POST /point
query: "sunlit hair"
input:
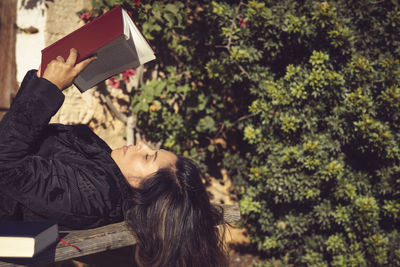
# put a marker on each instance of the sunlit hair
(173, 221)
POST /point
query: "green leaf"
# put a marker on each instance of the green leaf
(206, 124)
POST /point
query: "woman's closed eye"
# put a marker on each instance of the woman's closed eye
(151, 156)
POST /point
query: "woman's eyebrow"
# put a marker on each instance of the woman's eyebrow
(155, 156)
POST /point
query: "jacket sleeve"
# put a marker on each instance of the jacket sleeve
(36, 102)
(36, 181)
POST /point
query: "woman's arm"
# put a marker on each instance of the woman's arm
(30, 112)
(24, 176)
(36, 102)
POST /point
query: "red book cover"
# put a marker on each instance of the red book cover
(87, 39)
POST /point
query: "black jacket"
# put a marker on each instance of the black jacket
(55, 172)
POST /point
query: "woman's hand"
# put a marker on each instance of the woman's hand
(62, 73)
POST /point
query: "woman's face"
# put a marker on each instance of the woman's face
(140, 162)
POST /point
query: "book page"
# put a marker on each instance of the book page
(17, 246)
(113, 58)
(143, 49)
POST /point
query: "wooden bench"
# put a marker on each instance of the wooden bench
(93, 241)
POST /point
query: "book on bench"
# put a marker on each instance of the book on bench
(26, 239)
(115, 40)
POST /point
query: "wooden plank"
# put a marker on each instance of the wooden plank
(96, 240)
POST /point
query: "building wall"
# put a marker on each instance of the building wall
(62, 18)
(30, 37)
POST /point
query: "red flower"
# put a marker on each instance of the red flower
(242, 23)
(127, 74)
(113, 82)
(86, 16)
(137, 2)
(130, 14)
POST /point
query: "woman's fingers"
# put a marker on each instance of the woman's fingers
(73, 55)
(83, 64)
(60, 59)
(62, 73)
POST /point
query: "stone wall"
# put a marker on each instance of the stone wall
(62, 19)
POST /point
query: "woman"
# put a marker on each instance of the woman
(69, 175)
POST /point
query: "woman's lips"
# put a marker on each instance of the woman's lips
(125, 148)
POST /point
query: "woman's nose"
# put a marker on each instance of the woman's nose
(142, 145)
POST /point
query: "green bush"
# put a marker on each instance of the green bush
(299, 100)
(199, 96)
(323, 184)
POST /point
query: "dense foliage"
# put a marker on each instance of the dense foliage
(300, 101)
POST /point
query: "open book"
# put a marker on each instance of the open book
(113, 38)
(26, 239)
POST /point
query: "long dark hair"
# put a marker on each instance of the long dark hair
(173, 221)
